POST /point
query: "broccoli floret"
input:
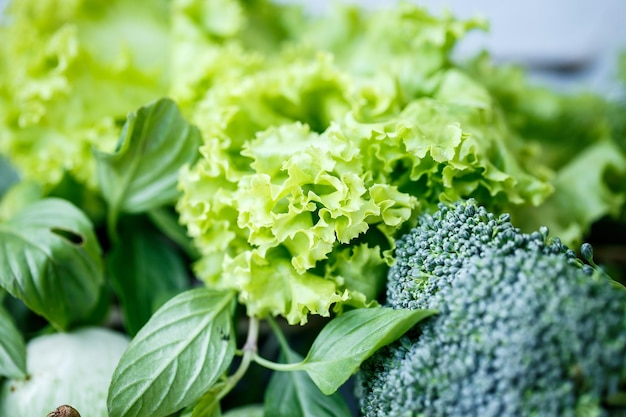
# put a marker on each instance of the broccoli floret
(523, 329)
(428, 256)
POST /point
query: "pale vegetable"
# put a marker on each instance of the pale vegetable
(65, 368)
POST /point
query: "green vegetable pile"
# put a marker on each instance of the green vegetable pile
(180, 170)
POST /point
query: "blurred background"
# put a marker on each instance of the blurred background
(570, 44)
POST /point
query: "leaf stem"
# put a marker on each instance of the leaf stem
(283, 367)
(112, 216)
(282, 341)
(249, 352)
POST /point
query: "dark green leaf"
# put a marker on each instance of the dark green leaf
(51, 260)
(176, 357)
(102, 310)
(145, 270)
(347, 340)
(294, 394)
(78, 193)
(167, 222)
(617, 400)
(142, 174)
(248, 410)
(12, 348)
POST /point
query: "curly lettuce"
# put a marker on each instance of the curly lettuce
(71, 71)
(313, 162)
(576, 138)
(218, 40)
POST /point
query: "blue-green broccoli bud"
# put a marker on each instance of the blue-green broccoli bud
(523, 328)
(428, 256)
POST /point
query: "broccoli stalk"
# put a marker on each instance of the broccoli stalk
(524, 328)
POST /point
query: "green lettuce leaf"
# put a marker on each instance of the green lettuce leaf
(406, 42)
(70, 72)
(313, 154)
(574, 139)
(588, 188)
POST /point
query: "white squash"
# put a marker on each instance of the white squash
(65, 368)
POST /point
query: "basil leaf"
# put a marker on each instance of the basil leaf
(12, 348)
(50, 259)
(294, 394)
(142, 174)
(145, 271)
(166, 220)
(347, 340)
(176, 357)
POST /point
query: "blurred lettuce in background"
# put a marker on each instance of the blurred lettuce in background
(576, 136)
(71, 71)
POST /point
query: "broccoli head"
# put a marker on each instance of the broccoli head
(523, 328)
(428, 256)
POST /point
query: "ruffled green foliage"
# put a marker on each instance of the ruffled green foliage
(578, 137)
(327, 148)
(217, 40)
(70, 72)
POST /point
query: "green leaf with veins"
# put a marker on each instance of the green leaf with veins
(12, 348)
(347, 340)
(143, 171)
(145, 270)
(185, 347)
(50, 259)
